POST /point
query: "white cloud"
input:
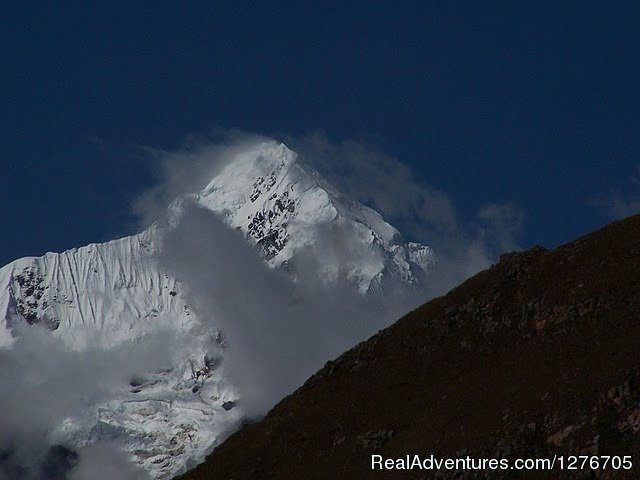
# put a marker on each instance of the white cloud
(421, 212)
(622, 202)
(499, 225)
(44, 382)
(279, 331)
(378, 180)
(188, 169)
(104, 462)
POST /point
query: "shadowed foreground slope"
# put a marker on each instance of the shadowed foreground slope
(539, 355)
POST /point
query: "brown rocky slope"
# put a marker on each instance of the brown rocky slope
(537, 356)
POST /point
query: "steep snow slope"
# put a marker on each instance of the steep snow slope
(286, 207)
(115, 291)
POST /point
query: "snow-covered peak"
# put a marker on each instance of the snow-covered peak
(259, 161)
(281, 205)
(286, 207)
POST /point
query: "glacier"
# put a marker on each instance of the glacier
(170, 418)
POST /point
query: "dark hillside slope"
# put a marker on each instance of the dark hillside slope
(539, 355)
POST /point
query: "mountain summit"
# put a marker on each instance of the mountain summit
(285, 206)
(116, 291)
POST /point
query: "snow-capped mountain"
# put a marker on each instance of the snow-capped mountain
(173, 416)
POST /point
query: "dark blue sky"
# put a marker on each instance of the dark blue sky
(531, 102)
